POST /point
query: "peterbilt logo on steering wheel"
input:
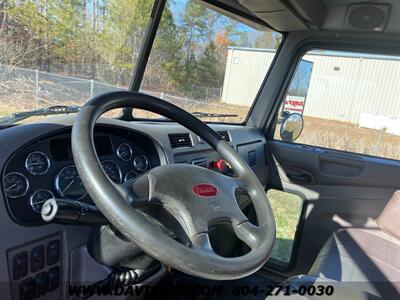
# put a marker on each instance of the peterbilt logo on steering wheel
(205, 190)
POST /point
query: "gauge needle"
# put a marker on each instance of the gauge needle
(34, 164)
(67, 187)
(9, 188)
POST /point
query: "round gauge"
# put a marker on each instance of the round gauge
(130, 175)
(124, 152)
(112, 170)
(37, 163)
(16, 185)
(141, 163)
(69, 184)
(38, 198)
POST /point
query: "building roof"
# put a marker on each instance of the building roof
(325, 53)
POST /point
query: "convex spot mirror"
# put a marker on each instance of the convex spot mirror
(292, 127)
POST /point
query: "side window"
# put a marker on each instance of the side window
(344, 101)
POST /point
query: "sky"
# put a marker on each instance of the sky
(178, 6)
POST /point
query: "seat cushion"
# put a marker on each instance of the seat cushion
(368, 259)
(341, 291)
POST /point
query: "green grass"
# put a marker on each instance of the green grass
(287, 210)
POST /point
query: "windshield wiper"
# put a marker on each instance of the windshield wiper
(201, 115)
(51, 110)
(211, 115)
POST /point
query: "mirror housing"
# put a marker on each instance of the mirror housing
(291, 127)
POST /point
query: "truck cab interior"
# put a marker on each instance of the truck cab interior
(282, 184)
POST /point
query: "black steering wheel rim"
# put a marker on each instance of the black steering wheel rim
(112, 199)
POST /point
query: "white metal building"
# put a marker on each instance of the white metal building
(343, 87)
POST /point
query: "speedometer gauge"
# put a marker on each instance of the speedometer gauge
(37, 163)
(69, 184)
(16, 185)
(112, 170)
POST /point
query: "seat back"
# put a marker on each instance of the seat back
(389, 219)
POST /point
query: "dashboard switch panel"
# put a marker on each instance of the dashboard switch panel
(29, 270)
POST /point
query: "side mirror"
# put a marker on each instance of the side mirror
(292, 127)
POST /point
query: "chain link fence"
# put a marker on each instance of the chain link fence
(207, 94)
(28, 89)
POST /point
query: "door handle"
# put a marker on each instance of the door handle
(300, 177)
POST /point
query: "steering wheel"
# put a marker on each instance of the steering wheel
(197, 197)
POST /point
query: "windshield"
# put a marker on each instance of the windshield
(65, 52)
(205, 62)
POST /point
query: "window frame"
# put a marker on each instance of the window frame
(292, 50)
(270, 132)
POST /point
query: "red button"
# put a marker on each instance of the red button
(222, 165)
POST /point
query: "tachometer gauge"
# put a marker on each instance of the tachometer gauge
(38, 198)
(130, 175)
(141, 163)
(112, 170)
(69, 184)
(37, 163)
(124, 152)
(16, 185)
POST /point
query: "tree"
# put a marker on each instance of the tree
(267, 39)
(200, 47)
(207, 67)
(101, 39)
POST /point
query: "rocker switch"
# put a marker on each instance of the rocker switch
(20, 265)
(252, 158)
(27, 289)
(37, 258)
(53, 252)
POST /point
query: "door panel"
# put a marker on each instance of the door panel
(330, 167)
(340, 190)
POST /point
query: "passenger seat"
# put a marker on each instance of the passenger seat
(366, 259)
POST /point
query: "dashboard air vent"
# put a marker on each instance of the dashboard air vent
(180, 140)
(225, 135)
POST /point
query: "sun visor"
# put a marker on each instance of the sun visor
(282, 16)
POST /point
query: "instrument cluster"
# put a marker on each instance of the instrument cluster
(46, 170)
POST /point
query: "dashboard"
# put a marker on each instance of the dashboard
(36, 163)
(44, 169)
